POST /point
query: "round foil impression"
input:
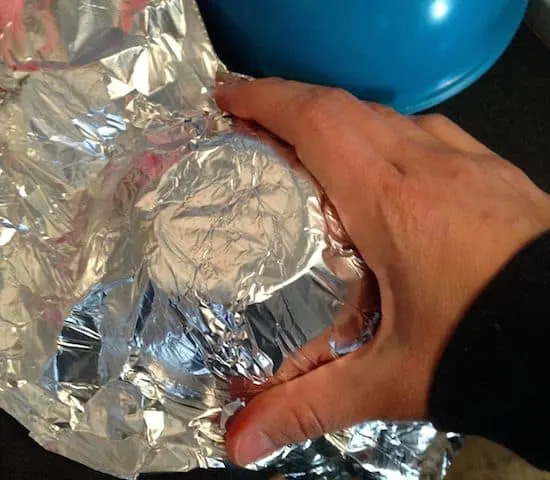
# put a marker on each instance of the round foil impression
(232, 223)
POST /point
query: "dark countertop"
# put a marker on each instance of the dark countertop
(508, 109)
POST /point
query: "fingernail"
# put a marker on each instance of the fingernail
(253, 446)
(224, 86)
(231, 80)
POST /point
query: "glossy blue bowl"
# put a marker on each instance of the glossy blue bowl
(410, 54)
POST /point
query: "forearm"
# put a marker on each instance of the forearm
(492, 379)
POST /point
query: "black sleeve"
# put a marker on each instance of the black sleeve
(494, 377)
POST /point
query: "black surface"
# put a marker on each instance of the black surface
(508, 109)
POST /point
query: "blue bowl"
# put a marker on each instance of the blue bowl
(410, 54)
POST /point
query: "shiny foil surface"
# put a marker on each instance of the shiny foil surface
(153, 254)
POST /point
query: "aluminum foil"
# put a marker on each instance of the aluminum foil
(152, 252)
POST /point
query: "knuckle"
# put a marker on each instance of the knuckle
(507, 168)
(273, 80)
(305, 424)
(434, 120)
(512, 174)
(320, 105)
(463, 167)
(382, 109)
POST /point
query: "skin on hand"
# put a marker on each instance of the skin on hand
(434, 214)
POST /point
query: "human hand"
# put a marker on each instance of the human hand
(434, 214)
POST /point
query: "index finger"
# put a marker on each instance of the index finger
(329, 129)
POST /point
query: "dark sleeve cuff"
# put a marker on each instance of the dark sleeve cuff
(493, 378)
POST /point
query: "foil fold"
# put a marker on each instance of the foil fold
(152, 252)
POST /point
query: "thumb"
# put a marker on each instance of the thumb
(345, 392)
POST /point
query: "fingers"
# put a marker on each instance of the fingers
(316, 122)
(312, 355)
(282, 149)
(342, 393)
(352, 325)
(332, 134)
(291, 110)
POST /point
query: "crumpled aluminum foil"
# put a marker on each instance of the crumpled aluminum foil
(151, 252)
